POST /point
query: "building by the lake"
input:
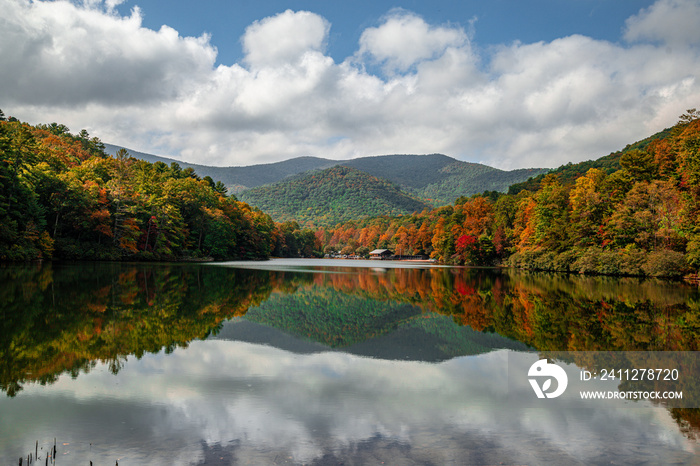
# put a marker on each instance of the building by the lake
(380, 254)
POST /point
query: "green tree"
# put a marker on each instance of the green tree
(551, 216)
(589, 207)
(639, 164)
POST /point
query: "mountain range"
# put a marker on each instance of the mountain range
(422, 175)
(388, 184)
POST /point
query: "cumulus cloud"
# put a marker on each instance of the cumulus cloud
(284, 38)
(517, 105)
(59, 54)
(405, 39)
(674, 22)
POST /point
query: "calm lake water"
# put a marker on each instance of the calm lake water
(330, 362)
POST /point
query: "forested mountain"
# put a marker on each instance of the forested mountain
(568, 173)
(465, 179)
(407, 171)
(435, 178)
(62, 196)
(438, 179)
(636, 212)
(332, 196)
(238, 179)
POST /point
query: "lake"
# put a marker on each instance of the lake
(330, 362)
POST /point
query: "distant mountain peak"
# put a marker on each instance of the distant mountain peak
(434, 178)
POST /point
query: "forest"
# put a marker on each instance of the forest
(323, 196)
(331, 196)
(63, 197)
(633, 213)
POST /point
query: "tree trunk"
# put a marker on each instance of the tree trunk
(55, 225)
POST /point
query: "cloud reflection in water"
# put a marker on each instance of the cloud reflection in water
(217, 402)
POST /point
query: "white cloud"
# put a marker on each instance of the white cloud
(285, 38)
(112, 4)
(518, 105)
(57, 54)
(109, 5)
(405, 39)
(675, 22)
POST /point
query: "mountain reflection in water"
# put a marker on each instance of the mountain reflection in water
(202, 364)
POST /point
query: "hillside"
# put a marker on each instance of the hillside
(62, 197)
(332, 196)
(634, 212)
(238, 179)
(466, 179)
(568, 173)
(439, 179)
(434, 177)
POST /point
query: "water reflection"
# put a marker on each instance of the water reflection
(111, 355)
(252, 403)
(65, 318)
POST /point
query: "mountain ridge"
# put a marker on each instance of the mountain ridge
(435, 178)
(239, 178)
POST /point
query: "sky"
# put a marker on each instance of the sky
(508, 83)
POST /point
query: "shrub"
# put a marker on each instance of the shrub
(633, 260)
(588, 261)
(665, 263)
(544, 260)
(526, 259)
(609, 262)
(563, 262)
(693, 253)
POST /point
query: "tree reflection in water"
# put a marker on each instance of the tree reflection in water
(65, 318)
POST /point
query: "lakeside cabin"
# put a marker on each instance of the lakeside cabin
(380, 254)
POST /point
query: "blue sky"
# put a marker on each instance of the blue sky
(495, 22)
(508, 83)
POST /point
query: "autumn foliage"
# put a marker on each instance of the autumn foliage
(61, 196)
(635, 213)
